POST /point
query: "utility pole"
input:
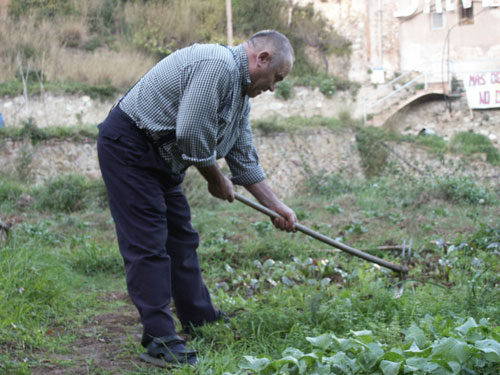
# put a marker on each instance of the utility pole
(229, 18)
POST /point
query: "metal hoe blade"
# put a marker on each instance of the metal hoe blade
(402, 269)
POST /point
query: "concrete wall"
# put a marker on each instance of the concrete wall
(380, 40)
(467, 43)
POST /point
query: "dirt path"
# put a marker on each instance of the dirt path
(105, 344)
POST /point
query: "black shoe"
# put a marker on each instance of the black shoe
(222, 317)
(169, 351)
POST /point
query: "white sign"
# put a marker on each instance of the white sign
(483, 89)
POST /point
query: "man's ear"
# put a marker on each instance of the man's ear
(263, 58)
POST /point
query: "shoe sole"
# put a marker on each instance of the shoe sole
(155, 361)
(161, 362)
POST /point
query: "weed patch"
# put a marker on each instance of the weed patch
(30, 131)
(471, 144)
(90, 258)
(462, 190)
(70, 193)
(373, 155)
(433, 143)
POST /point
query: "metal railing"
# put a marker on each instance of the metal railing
(399, 86)
(433, 71)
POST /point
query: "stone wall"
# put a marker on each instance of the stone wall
(289, 160)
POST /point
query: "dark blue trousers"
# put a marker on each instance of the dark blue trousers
(153, 225)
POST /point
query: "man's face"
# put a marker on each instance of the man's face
(264, 77)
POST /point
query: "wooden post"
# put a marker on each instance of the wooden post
(229, 18)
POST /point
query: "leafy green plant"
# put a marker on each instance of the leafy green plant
(469, 348)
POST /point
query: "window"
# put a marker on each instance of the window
(465, 14)
(437, 20)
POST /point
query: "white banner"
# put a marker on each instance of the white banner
(483, 89)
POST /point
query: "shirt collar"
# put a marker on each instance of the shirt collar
(244, 71)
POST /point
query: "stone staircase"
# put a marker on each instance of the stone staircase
(389, 98)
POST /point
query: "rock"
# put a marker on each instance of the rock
(24, 200)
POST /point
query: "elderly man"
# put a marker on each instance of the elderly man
(190, 109)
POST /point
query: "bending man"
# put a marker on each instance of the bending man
(189, 110)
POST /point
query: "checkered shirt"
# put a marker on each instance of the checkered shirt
(193, 106)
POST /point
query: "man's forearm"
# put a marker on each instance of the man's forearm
(212, 174)
(263, 193)
(218, 184)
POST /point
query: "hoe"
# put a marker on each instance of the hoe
(401, 269)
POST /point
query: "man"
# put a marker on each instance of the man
(190, 109)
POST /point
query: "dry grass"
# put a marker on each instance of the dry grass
(57, 48)
(25, 44)
(178, 23)
(121, 69)
(48, 48)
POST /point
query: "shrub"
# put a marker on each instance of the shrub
(327, 87)
(92, 43)
(10, 189)
(268, 126)
(284, 90)
(70, 193)
(345, 118)
(462, 189)
(72, 35)
(369, 141)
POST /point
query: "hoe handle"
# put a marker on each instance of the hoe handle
(323, 238)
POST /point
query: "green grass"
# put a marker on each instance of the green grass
(14, 88)
(30, 131)
(468, 143)
(60, 268)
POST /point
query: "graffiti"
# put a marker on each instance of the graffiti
(477, 80)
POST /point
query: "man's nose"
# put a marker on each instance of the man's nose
(271, 88)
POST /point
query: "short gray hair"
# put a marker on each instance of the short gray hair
(279, 44)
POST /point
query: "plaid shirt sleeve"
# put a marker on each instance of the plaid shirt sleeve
(206, 87)
(242, 159)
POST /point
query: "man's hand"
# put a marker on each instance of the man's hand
(218, 185)
(287, 222)
(265, 195)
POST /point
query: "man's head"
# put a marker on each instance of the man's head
(270, 59)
